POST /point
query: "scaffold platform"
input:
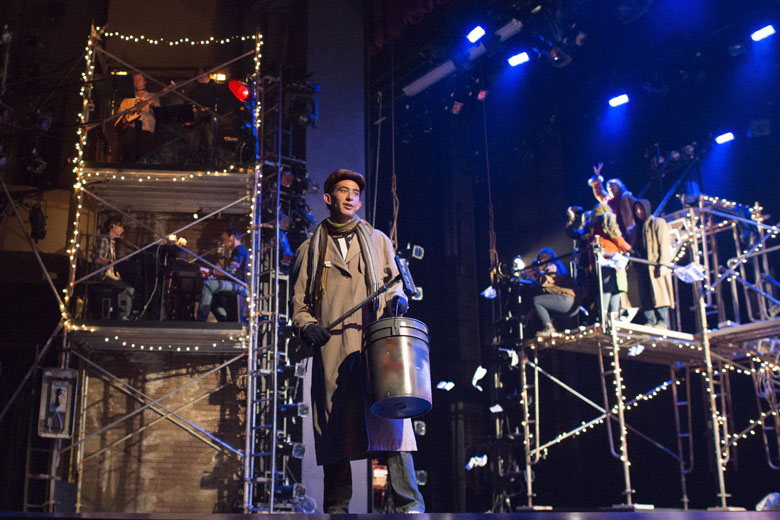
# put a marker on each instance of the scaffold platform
(163, 336)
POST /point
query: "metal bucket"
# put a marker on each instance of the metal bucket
(399, 372)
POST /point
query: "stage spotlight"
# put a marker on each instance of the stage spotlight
(517, 59)
(724, 138)
(764, 32)
(292, 371)
(294, 492)
(197, 213)
(422, 477)
(475, 34)
(420, 428)
(239, 90)
(294, 409)
(616, 101)
(295, 450)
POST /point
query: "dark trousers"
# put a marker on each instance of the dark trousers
(135, 144)
(125, 293)
(401, 481)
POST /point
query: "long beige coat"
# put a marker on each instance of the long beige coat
(659, 249)
(343, 425)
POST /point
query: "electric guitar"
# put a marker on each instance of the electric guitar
(131, 109)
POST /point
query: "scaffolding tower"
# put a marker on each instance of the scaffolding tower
(271, 383)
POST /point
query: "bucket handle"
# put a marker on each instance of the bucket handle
(395, 329)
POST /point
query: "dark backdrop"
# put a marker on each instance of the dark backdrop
(534, 139)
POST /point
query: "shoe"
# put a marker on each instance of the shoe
(547, 331)
(627, 315)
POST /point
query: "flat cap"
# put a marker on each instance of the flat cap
(339, 175)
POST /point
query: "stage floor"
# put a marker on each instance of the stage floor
(616, 514)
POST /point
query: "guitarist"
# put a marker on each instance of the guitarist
(136, 127)
(104, 253)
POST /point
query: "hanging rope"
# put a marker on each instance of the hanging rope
(396, 202)
(493, 252)
(378, 124)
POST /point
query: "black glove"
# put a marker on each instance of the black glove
(399, 305)
(315, 335)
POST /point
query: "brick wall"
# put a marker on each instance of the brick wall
(163, 468)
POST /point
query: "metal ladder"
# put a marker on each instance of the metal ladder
(681, 375)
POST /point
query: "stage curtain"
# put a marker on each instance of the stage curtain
(390, 17)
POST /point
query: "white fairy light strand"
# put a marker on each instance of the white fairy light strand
(211, 40)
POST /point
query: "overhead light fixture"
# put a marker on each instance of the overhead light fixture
(509, 30)
(616, 101)
(420, 84)
(764, 32)
(448, 67)
(475, 34)
(517, 59)
(724, 138)
(198, 212)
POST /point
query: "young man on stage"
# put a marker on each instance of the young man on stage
(345, 261)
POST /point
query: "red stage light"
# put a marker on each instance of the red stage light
(239, 90)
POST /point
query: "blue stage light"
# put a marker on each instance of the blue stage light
(475, 34)
(616, 101)
(764, 32)
(724, 138)
(517, 59)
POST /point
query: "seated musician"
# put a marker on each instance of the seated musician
(558, 290)
(104, 254)
(221, 285)
(136, 126)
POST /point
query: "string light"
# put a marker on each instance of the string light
(211, 40)
(116, 341)
(91, 174)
